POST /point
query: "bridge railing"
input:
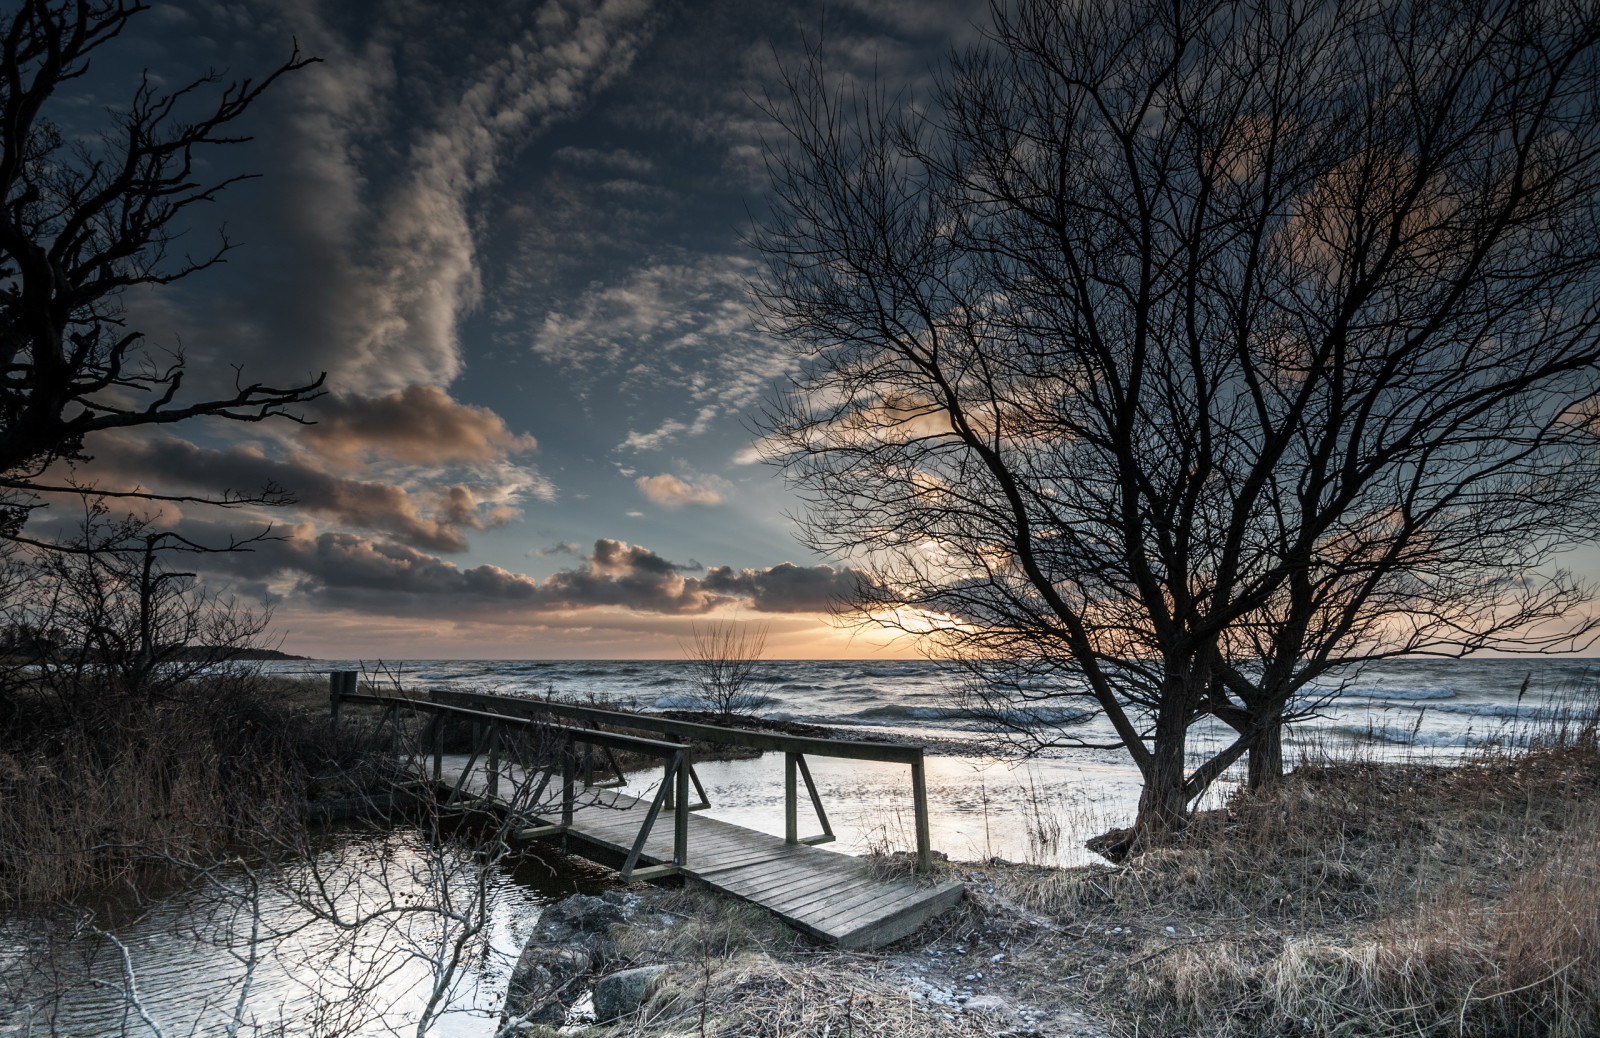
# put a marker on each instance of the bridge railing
(560, 743)
(795, 748)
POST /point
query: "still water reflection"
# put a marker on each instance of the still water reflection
(373, 935)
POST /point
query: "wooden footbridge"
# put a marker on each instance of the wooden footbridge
(535, 761)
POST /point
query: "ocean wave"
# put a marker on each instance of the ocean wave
(1400, 735)
(1411, 694)
(694, 701)
(1519, 711)
(903, 712)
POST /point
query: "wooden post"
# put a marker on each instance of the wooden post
(438, 748)
(494, 758)
(567, 778)
(919, 800)
(791, 819)
(340, 684)
(680, 814)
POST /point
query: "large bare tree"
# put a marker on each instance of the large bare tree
(1175, 354)
(83, 221)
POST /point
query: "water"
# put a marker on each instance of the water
(368, 937)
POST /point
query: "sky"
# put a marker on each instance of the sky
(510, 234)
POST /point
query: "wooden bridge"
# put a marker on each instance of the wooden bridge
(520, 749)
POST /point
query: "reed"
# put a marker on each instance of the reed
(99, 794)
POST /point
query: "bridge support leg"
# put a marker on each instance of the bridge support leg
(494, 759)
(791, 818)
(568, 778)
(680, 814)
(919, 799)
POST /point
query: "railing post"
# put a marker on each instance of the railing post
(438, 747)
(791, 818)
(340, 684)
(680, 812)
(494, 758)
(567, 779)
(919, 800)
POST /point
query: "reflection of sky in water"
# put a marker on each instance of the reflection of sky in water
(373, 972)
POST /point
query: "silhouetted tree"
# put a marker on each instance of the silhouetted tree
(82, 221)
(1178, 353)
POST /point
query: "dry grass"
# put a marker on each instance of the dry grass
(754, 995)
(736, 971)
(1356, 899)
(97, 794)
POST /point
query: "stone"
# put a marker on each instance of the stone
(572, 941)
(544, 982)
(621, 994)
(582, 913)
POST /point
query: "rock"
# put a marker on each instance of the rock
(545, 981)
(987, 1004)
(621, 994)
(572, 941)
(582, 913)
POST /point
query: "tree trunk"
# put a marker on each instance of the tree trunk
(1164, 801)
(1265, 767)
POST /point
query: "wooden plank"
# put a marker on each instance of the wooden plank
(770, 887)
(857, 894)
(710, 866)
(864, 905)
(763, 879)
(879, 913)
(903, 922)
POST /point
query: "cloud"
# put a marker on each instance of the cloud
(668, 431)
(667, 489)
(680, 334)
(343, 569)
(787, 588)
(619, 159)
(367, 235)
(418, 424)
(434, 518)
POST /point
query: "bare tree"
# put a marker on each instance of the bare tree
(107, 614)
(724, 658)
(1175, 354)
(80, 223)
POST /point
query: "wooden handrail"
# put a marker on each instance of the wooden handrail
(674, 781)
(792, 746)
(889, 752)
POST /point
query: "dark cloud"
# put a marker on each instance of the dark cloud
(786, 588)
(418, 424)
(434, 520)
(349, 570)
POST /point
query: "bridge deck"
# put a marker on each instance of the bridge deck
(829, 896)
